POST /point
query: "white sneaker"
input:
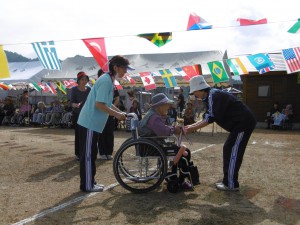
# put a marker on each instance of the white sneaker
(109, 157)
(103, 157)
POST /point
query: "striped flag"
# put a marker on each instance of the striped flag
(4, 86)
(295, 29)
(148, 81)
(35, 86)
(292, 59)
(168, 78)
(47, 55)
(237, 66)
(51, 87)
(4, 71)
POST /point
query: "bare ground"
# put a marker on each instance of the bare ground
(39, 183)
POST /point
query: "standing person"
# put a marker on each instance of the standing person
(106, 138)
(78, 97)
(92, 120)
(180, 102)
(232, 115)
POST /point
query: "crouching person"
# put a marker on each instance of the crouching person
(154, 124)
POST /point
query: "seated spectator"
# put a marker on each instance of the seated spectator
(24, 111)
(39, 114)
(154, 124)
(270, 118)
(67, 115)
(188, 117)
(277, 119)
(56, 114)
(8, 110)
(135, 108)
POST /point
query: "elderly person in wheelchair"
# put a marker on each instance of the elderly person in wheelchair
(141, 164)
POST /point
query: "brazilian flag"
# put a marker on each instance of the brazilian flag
(159, 39)
(218, 72)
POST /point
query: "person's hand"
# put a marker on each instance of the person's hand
(189, 129)
(77, 105)
(121, 116)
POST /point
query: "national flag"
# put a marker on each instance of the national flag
(168, 78)
(73, 83)
(51, 87)
(4, 70)
(129, 78)
(47, 55)
(61, 87)
(190, 71)
(182, 73)
(35, 86)
(218, 72)
(44, 87)
(12, 87)
(98, 50)
(148, 81)
(159, 39)
(295, 29)
(261, 61)
(237, 66)
(292, 59)
(267, 69)
(197, 23)
(118, 85)
(4, 86)
(67, 84)
(247, 22)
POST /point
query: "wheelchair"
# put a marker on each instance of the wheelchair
(141, 164)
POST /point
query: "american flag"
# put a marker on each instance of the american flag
(292, 59)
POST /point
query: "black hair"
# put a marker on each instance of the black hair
(100, 72)
(117, 60)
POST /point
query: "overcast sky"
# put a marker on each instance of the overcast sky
(119, 21)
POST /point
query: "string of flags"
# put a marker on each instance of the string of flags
(48, 57)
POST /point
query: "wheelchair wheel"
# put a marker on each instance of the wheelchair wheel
(140, 166)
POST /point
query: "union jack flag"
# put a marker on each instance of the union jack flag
(292, 59)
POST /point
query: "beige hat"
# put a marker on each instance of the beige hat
(198, 83)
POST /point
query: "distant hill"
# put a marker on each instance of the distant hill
(15, 57)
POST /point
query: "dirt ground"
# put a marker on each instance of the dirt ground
(39, 183)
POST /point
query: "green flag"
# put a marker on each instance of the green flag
(159, 39)
(295, 28)
(218, 72)
(35, 86)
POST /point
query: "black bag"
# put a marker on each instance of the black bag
(194, 174)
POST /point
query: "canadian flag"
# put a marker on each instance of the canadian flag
(129, 78)
(148, 81)
(98, 50)
(118, 85)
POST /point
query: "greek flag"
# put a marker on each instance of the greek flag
(47, 55)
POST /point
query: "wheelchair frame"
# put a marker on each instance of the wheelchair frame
(141, 165)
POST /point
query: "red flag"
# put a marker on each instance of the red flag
(118, 85)
(190, 71)
(73, 83)
(247, 22)
(197, 23)
(148, 81)
(130, 79)
(98, 50)
(44, 87)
